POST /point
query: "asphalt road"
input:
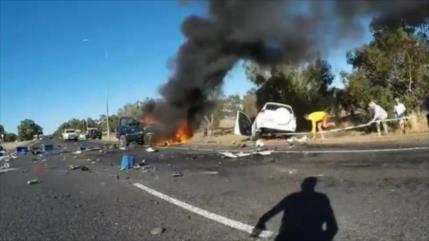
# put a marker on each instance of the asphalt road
(373, 195)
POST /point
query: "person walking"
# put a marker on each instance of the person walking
(401, 114)
(319, 119)
(379, 115)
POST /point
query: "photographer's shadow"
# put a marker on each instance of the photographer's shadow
(307, 216)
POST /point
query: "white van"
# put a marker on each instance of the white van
(273, 118)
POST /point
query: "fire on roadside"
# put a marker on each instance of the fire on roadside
(181, 136)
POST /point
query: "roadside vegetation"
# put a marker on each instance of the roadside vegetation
(27, 129)
(395, 63)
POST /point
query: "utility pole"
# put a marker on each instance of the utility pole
(107, 116)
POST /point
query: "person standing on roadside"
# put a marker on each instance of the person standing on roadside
(379, 115)
(401, 114)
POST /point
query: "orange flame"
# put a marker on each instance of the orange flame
(181, 136)
(149, 120)
(184, 133)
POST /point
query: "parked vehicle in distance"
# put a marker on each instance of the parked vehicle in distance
(82, 136)
(93, 133)
(129, 130)
(70, 135)
(272, 118)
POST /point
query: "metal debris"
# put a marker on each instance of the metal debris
(75, 167)
(150, 149)
(259, 143)
(147, 168)
(263, 153)
(228, 154)
(299, 140)
(177, 174)
(32, 181)
(210, 172)
(157, 230)
(245, 154)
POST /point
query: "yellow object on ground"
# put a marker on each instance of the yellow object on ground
(314, 118)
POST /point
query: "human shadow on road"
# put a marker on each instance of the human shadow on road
(307, 216)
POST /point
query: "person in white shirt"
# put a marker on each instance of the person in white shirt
(401, 114)
(379, 116)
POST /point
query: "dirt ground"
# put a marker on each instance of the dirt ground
(352, 138)
(12, 145)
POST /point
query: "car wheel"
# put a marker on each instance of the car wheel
(123, 142)
(141, 140)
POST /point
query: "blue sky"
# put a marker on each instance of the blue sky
(59, 60)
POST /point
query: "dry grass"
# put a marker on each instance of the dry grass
(111, 139)
(12, 145)
(228, 139)
(417, 122)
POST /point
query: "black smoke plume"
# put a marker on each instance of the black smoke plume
(266, 32)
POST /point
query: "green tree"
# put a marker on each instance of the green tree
(134, 110)
(249, 103)
(10, 137)
(2, 131)
(231, 104)
(27, 129)
(393, 64)
(113, 123)
(305, 88)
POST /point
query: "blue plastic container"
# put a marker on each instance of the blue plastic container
(127, 162)
(21, 150)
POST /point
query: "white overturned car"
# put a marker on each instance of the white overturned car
(273, 118)
(70, 135)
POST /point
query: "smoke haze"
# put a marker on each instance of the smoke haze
(268, 33)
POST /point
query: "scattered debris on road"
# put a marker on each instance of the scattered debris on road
(32, 181)
(157, 230)
(259, 143)
(228, 154)
(244, 154)
(210, 172)
(150, 149)
(84, 168)
(147, 168)
(77, 152)
(5, 165)
(75, 167)
(295, 139)
(264, 153)
(177, 174)
(36, 151)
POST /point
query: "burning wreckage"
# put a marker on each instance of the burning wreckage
(149, 131)
(263, 32)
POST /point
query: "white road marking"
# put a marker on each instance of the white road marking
(356, 150)
(209, 215)
(320, 151)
